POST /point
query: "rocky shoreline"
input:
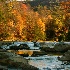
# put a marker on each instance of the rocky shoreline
(65, 57)
(10, 60)
(60, 47)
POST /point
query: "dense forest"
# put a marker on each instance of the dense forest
(25, 21)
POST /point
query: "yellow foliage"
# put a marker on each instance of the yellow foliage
(20, 21)
(59, 22)
(41, 25)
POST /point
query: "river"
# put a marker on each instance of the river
(44, 62)
(47, 62)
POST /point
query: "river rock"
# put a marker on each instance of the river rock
(61, 47)
(47, 49)
(3, 50)
(66, 56)
(47, 44)
(38, 53)
(12, 60)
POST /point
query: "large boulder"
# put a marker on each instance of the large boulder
(47, 49)
(3, 50)
(38, 53)
(19, 46)
(42, 44)
(23, 46)
(13, 61)
(61, 47)
(14, 47)
(65, 57)
(47, 44)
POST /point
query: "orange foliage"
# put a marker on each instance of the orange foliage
(20, 21)
(65, 5)
(24, 7)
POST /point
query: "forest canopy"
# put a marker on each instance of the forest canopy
(20, 21)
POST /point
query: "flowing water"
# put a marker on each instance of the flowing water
(47, 62)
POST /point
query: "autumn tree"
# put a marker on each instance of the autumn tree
(3, 19)
(34, 26)
(10, 14)
(65, 6)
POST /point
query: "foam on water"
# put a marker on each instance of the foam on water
(45, 62)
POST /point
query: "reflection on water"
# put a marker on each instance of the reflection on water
(46, 62)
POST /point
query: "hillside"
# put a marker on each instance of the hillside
(34, 20)
(45, 2)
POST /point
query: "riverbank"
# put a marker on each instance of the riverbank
(10, 60)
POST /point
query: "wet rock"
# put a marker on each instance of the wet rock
(5, 43)
(47, 44)
(12, 60)
(3, 67)
(24, 55)
(47, 49)
(15, 47)
(23, 46)
(42, 44)
(58, 47)
(62, 47)
(19, 47)
(36, 44)
(65, 57)
(38, 53)
(3, 50)
(16, 58)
